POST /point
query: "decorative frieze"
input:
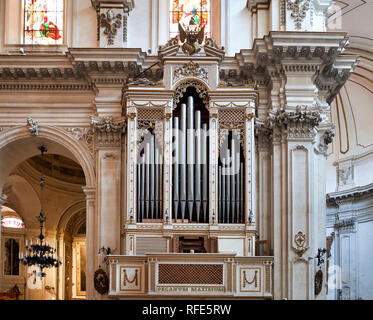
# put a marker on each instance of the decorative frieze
(295, 124)
(190, 69)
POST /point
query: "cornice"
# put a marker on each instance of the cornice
(350, 193)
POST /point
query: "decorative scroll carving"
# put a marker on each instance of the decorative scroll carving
(108, 131)
(200, 88)
(190, 69)
(82, 134)
(299, 9)
(33, 127)
(111, 23)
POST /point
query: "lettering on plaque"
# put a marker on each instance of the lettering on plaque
(130, 278)
(250, 280)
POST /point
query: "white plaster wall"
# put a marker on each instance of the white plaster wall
(365, 275)
(139, 25)
(239, 27)
(83, 20)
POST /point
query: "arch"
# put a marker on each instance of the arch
(201, 87)
(27, 207)
(17, 145)
(68, 213)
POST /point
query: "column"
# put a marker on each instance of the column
(91, 240)
(213, 170)
(167, 167)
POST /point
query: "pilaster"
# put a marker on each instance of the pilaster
(108, 140)
(91, 240)
(112, 16)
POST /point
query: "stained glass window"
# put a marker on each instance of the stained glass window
(43, 21)
(192, 15)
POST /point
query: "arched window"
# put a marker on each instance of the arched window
(192, 14)
(43, 21)
(11, 219)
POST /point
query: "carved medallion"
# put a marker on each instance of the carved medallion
(101, 281)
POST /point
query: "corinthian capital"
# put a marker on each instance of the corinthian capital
(108, 130)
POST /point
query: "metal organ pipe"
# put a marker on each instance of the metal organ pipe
(204, 171)
(147, 180)
(175, 175)
(231, 185)
(232, 180)
(156, 183)
(183, 162)
(190, 156)
(197, 178)
(152, 178)
(227, 184)
(237, 182)
(142, 199)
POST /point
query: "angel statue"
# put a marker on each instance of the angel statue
(191, 41)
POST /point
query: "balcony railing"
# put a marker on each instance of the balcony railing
(190, 275)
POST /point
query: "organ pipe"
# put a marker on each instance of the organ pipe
(190, 156)
(152, 178)
(197, 179)
(183, 162)
(231, 186)
(175, 175)
(204, 171)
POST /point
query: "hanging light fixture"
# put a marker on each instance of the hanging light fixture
(40, 254)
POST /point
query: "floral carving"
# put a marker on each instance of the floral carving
(190, 69)
(111, 23)
(298, 10)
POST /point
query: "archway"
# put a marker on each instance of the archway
(17, 145)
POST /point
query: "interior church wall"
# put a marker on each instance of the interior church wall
(365, 275)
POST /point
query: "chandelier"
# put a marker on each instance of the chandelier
(40, 254)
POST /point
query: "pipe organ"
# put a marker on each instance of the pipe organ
(190, 166)
(190, 147)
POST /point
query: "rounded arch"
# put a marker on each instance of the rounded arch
(68, 213)
(201, 87)
(27, 207)
(17, 145)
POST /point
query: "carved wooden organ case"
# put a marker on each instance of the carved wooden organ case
(190, 165)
